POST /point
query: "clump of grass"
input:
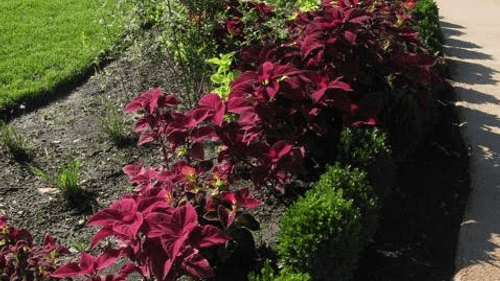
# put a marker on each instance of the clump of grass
(113, 123)
(14, 142)
(79, 245)
(67, 179)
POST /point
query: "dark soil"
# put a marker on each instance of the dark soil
(419, 223)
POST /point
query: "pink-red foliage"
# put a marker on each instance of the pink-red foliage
(20, 259)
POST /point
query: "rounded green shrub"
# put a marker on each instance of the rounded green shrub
(429, 30)
(322, 233)
(366, 148)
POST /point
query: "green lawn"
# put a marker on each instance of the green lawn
(47, 42)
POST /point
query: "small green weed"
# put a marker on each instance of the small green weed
(79, 245)
(67, 179)
(14, 142)
(113, 123)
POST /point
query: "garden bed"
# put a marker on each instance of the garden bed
(82, 126)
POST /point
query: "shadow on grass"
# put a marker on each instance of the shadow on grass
(59, 91)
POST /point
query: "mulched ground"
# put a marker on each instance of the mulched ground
(419, 223)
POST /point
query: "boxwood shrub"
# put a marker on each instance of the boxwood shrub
(429, 30)
(323, 232)
(367, 149)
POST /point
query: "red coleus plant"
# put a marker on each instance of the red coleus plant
(20, 259)
(141, 224)
(181, 236)
(89, 266)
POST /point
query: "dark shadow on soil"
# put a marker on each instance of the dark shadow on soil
(420, 221)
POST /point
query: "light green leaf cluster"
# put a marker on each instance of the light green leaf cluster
(224, 75)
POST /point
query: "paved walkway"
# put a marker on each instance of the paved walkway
(472, 42)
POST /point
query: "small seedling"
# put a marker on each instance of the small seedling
(79, 245)
(113, 124)
(67, 179)
(14, 142)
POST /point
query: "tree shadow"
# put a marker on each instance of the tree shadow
(471, 73)
(460, 52)
(445, 24)
(466, 54)
(481, 222)
(451, 32)
(472, 96)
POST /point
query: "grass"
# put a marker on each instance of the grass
(48, 42)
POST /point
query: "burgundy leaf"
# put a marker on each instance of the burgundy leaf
(128, 268)
(350, 36)
(226, 216)
(153, 99)
(207, 236)
(158, 223)
(197, 116)
(67, 270)
(197, 151)
(279, 150)
(100, 235)
(142, 124)
(132, 169)
(196, 265)
(238, 105)
(201, 134)
(213, 103)
(104, 217)
(88, 264)
(107, 258)
(146, 137)
(169, 101)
